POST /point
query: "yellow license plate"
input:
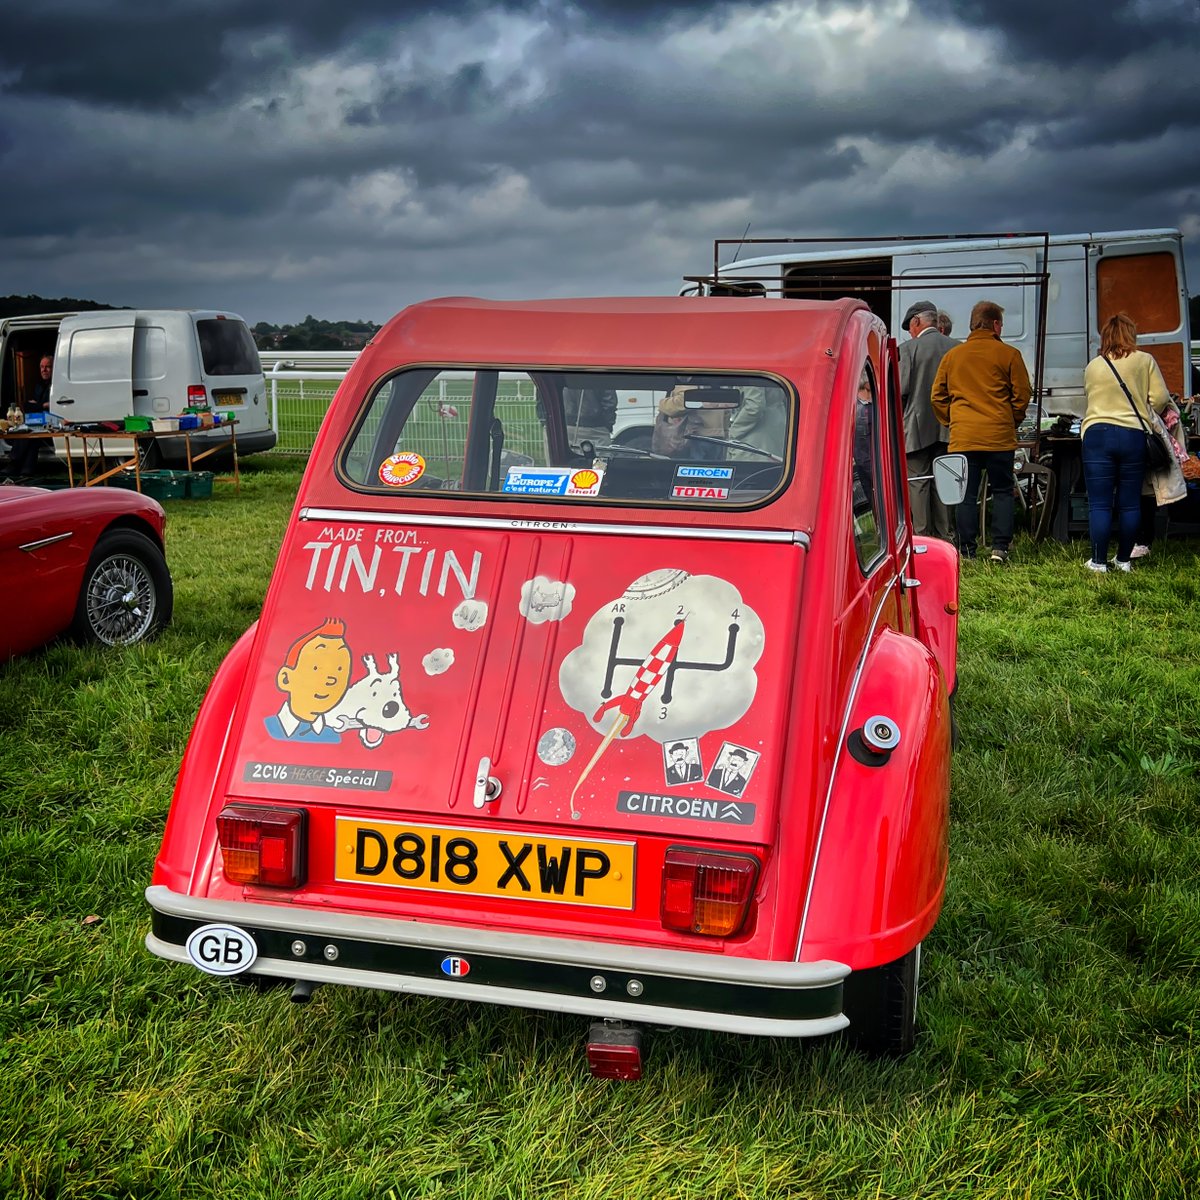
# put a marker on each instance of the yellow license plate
(485, 863)
(228, 399)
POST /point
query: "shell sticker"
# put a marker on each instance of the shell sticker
(403, 469)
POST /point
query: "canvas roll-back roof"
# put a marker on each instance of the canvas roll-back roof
(801, 341)
(644, 331)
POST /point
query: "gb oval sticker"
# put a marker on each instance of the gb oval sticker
(222, 949)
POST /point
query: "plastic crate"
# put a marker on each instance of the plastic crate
(137, 424)
(199, 485)
(164, 485)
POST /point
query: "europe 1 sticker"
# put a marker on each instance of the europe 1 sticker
(399, 470)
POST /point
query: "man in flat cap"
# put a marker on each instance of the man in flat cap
(924, 435)
(981, 393)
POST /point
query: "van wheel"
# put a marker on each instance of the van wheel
(126, 595)
(881, 1003)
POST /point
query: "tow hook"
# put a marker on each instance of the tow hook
(303, 990)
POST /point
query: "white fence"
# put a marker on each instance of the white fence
(302, 383)
(299, 401)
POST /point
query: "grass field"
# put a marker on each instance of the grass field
(1059, 1054)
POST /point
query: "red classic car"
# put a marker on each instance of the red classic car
(537, 718)
(83, 561)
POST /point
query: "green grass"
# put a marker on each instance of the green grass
(1058, 1056)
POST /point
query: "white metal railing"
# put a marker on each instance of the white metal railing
(300, 397)
(305, 396)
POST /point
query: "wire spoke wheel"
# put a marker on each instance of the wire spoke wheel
(126, 594)
(120, 601)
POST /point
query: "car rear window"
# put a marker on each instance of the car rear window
(226, 348)
(703, 439)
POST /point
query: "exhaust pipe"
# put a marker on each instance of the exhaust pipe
(303, 990)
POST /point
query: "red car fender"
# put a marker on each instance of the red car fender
(881, 862)
(188, 842)
(935, 564)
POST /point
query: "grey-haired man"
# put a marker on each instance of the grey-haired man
(924, 435)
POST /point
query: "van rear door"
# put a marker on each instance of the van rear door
(231, 367)
(1004, 274)
(93, 367)
(1145, 278)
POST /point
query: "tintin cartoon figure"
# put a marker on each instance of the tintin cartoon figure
(315, 675)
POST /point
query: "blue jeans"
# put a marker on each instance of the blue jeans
(1114, 464)
(999, 467)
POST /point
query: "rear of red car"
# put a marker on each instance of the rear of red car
(531, 717)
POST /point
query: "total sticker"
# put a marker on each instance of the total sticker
(400, 470)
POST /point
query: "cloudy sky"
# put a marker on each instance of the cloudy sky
(344, 159)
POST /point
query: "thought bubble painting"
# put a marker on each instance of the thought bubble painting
(721, 634)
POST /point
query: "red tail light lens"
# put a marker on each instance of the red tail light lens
(614, 1051)
(262, 845)
(197, 394)
(707, 891)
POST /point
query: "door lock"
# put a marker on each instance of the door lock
(487, 786)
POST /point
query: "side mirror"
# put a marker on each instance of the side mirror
(950, 478)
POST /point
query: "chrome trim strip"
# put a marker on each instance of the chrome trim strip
(858, 674)
(58, 537)
(798, 537)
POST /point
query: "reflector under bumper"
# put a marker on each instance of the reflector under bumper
(597, 979)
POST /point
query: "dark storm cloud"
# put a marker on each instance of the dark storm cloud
(346, 158)
(130, 53)
(1074, 31)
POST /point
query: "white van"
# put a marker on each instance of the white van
(115, 363)
(1056, 291)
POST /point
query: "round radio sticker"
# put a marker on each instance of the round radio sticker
(402, 469)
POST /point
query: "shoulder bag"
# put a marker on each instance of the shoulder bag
(1158, 453)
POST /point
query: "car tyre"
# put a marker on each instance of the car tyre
(881, 1003)
(126, 596)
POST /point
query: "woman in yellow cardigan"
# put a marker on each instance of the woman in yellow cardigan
(1114, 442)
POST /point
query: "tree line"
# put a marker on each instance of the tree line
(309, 334)
(312, 334)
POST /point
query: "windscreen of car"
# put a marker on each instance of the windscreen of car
(226, 348)
(704, 439)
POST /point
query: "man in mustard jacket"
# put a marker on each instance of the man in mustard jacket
(981, 392)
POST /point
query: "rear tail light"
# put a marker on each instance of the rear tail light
(197, 394)
(262, 845)
(614, 1051)
(707, 891)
